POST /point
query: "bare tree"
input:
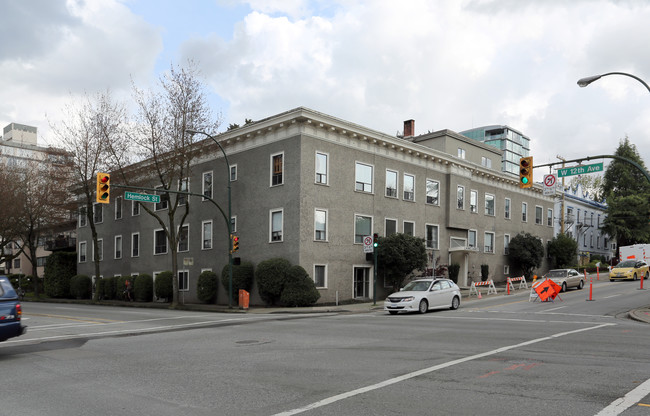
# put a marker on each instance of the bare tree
(168, 151)
(9, 212)
(94, 133)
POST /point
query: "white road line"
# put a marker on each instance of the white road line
(554, 309)
(621, 404)
(424, 371)
(612, 296)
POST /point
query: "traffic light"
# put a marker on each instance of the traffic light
(375, 240)
(526, 172)
(103, 195)
(235, 243)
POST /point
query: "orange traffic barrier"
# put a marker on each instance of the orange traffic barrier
(244, 299)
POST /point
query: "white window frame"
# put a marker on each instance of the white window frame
(164, 200)
(395, 192)
(83, 244)
(360, 240)
(83, 217)
(318, 176)
(405, 195)
(494, 208)
(180, 233)
(412, 227)
(507, 208)
(506, 269)
(386, 225)
(524, 212)
(100, 243)
(154, 242)
(186, 279)
(203, 239)
(233, 224)
(98, 208)
(462, 153)
(324, 266)
(204, 188)
(271, 231)
(138, 245)
(183, 186)
(473, 205)
(118, 208)
(475, 233)
(549, 217)
(435, 202)
(135, 208)
(234, 171)
(358, 164)
(325, 236)
(281, 182)
(506, 244)
(118, 255)
(485, 247)
(429, 243)
(460, 205)
(539, 219)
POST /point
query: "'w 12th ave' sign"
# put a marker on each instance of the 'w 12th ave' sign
(579, 170)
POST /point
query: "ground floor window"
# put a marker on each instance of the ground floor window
(320, 275)
(183, 280)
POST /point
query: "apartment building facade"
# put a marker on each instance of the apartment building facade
(307, 186)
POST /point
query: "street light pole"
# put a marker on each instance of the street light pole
(583, 82)
(229, 219)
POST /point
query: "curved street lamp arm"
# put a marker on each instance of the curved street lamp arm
(583, 82)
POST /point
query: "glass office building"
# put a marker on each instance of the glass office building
(513, 143)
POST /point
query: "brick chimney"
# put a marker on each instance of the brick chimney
(409, 128)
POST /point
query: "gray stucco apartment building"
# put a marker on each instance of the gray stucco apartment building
(307, 186)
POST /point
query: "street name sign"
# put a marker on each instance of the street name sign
(133, 196)
(579, 170)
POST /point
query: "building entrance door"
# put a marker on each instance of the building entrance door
(362, 282)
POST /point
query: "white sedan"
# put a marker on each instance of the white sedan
(422, 295)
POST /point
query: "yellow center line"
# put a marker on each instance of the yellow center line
(70, 318)
(642, 404)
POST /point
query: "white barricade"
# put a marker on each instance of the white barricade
(489, 283)
(533, 294)
(521, 280)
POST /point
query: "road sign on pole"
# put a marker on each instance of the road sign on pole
(133, 196)
(550, 183)
(367, 244)
(579, 170)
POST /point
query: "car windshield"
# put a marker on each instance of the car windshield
(626, 263)
(418, 285)
(556, 273)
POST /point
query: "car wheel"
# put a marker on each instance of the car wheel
(635, 277)
(563, 287)
(646, 276)
(424, 306)
(392, 312)
(581, 285)
(455, 303)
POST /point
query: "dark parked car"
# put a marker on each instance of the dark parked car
(10, 311)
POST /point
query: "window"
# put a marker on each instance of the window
(184, 238)
(507, 208)
(409, 187)
(183, 186)
(489, 242)
(164, 199)
(524, 211)
(487, 162)
(506, 270)
(461, 153)
(460, 197)
(135, 245)
(98, 213)
(471, 238)
(539, 212)
(362, 228)
(473, 201)
(363, 177)
(277, 169)
(233, 172)
(489, 205)
(432, 236)
(321, 168)
(207, 185)
(320, 225)
(159, 242)
(320, 275)
(390, 227)
(16, 263)
(409, 228)
(549, 217)
(506, 244)
(99, 250)
(183, 280)
(83, 217)
(40, 261)
(433, 192)
(83, 248)
(391, 183)
(233, 224)
(206, 235)
(118, 246)
(118, 208)
(276, 225)
(135, 208)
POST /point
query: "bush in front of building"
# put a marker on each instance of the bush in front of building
(163, 285)
(299, 288)
(59, 269)
(270, 276)
(81, 287)
(22, 281)
(110, 288)
(143, 288)
(242, 278)
(207, 287)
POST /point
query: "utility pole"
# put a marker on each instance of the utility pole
(562, 218)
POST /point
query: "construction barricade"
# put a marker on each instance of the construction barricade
(492, 290)
(522, 283)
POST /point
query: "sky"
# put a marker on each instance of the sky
(447, 64)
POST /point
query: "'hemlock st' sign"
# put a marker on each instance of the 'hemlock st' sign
(579, 170)
(133, 196)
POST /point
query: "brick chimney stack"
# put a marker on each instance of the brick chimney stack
(409, 128)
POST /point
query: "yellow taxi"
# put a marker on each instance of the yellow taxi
(629, 270)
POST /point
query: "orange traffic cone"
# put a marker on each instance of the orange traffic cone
(479, 295)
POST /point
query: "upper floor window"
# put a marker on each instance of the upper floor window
(276, 224)
(83, 247)
(362, 228)
(135, 245)
(460, 197)
(118, 208)
(432, 236)
(489, 242)
(471, 238)
(321, 168)
(135, 208)
(390, 227)
(391, 183)
(320, 225)
(207, 235)
(506, 205)
(277, 169)
(473, 201)
(506, 244)
(549, 217)
(164, 199)
(539, 212)
(159, 242)
(98, 213)
(233, 172)
(363, 177)
(207, 185)
(409, 228)
(461, 153)
(83, 217)
(524, 212)
(433, 192)
(489, 204)
(183, 186)
(487, 162)
(409, 187)
(118, 247)
(184, 238)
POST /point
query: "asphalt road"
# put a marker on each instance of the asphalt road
(495, 356)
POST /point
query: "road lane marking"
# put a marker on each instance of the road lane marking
(621, 404)
(612, 296)
(428, 370)
(553, 309)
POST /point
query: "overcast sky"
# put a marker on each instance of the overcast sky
(447, 64)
